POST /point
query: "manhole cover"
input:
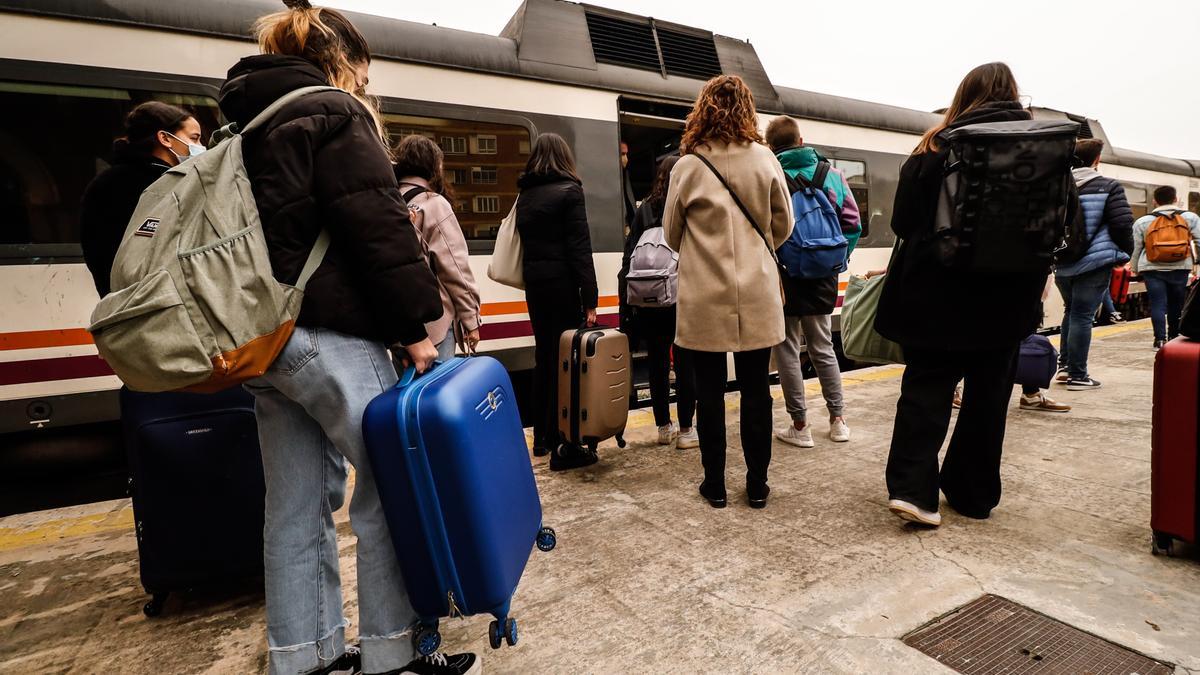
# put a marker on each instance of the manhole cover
(994, 635)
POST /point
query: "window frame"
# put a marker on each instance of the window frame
(475, 200)
(480, 171)
(64, 74)
(477, 144)
(453, 143)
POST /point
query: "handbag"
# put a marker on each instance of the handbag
(860, 340)
(506, 266)
(753, 224)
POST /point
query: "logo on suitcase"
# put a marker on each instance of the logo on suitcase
(490, 404)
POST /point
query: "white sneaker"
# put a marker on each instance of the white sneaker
(799, 437)
(838, 431)
(913, 513)
(667, 433)
(688, 438)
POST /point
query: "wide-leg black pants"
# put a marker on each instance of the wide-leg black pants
(711, 373)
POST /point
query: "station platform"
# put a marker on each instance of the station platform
(648, 578)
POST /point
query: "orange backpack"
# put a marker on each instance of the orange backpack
(1168, 239)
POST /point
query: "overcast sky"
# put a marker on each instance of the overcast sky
(1135, 66)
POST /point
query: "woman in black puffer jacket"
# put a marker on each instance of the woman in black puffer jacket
(560, 279)
(320, 163)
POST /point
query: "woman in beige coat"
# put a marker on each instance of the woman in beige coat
(729, 288)
(419, 170)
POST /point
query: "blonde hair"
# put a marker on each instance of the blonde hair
(325, 38)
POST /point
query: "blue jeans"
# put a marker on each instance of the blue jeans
(1167, 292)
(1109, 308)
(310, 407)
(1082, 295)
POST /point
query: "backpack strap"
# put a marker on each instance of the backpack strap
(315, 257)
(745, 211)
(271, 110)
(411, 194)
(820, 174)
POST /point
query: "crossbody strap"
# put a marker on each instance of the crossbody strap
(745, 211)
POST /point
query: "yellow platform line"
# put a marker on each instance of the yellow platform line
(122, 519)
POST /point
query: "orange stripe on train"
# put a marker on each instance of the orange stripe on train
(41, 339)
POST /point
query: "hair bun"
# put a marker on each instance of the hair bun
(298, 4)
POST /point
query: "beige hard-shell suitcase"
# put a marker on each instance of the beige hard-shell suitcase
(593, 385)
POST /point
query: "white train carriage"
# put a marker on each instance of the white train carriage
(70, 70)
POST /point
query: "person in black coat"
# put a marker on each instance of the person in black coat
(952, 324)
(657, 326)
(560, 280)
(157, 137)
(320, 163)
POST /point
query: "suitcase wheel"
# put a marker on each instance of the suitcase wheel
(155, 606)
(546, 539)
(495, 635)
(510, 632)
(1162, 544)
(427, 640)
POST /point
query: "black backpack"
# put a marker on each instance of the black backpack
(1005, 195)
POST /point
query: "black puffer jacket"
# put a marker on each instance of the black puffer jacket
(552, 221)
(319, 163)
(108, 203)
(927, 305)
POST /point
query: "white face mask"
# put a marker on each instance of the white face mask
(193, 149)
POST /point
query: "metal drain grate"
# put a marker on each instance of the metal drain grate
(995, 635)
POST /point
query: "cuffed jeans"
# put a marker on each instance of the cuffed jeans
(310, 408)
(1082, 295)
(816, 332)
(1167, 291)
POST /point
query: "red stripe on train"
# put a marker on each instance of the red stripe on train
(514, 329)
(49, 370)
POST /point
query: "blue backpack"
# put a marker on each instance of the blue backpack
(817, 248)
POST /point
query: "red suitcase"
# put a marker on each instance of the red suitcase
(1118, 287)
(1175, 445)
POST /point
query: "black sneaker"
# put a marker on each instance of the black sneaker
(1158, 344)
(438, 663)
(757, 497)
(715, 499)
(1082, 385)
(568, 456)
(540, 451)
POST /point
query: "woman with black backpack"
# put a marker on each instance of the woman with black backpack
(953, 324)
(657, 326)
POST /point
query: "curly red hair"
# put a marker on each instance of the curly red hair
(724, 111)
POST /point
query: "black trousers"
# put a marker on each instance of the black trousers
(970, 473)
(553, 309)
(753, 370)
(658, 328)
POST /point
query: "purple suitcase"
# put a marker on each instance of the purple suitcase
(457, 487)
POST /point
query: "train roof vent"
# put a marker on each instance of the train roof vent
(622, 43)
(689, 55)
(1085, 130)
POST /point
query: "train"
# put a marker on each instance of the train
(71, 69)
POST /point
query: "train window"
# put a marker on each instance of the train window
(856, 175)
(1136, 195)
(483, 161)
(54, 139)
(1194, 202)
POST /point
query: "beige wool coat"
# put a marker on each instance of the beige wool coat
(729, 293)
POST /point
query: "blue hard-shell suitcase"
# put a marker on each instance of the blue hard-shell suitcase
(457, 487)
(196, 479)
(1037, 362)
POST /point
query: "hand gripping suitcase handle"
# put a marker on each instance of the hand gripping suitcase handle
(410, 374)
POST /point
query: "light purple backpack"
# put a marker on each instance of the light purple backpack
(653, 279)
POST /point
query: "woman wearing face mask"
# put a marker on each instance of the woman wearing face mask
(157, 137)
(321, 164)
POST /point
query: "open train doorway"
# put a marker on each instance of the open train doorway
(651, 130)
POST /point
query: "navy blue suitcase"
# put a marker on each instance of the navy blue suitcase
(196, 479)
(1037, 362)
(457, 486)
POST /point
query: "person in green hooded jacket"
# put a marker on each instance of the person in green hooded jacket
(810, 302)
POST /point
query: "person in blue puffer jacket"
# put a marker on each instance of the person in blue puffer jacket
(1109, 222)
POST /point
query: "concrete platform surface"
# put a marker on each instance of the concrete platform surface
(648, 578)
